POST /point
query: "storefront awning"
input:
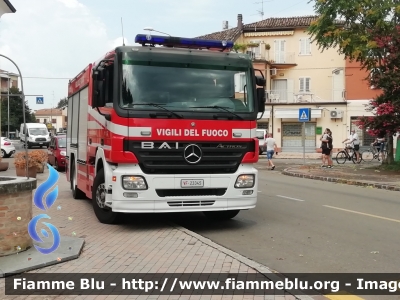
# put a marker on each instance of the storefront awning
(294, 113)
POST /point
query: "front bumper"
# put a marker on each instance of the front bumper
(164, 193)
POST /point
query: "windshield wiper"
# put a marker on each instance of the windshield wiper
(221, 108)
(159, 106)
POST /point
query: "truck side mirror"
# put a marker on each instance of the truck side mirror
(260, 81)
(261, 99)
(98, 99)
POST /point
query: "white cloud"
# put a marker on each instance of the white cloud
(48, 38)
(118, 42)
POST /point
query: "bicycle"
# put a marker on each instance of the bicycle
(372, 153)
(346, 154)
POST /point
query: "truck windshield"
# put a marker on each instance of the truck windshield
(182, 87)
(38, 131)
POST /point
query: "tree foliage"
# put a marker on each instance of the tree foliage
(367, 31)
(16, 115)
(63, 102)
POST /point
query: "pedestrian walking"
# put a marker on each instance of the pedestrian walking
(327, 146)
(271, 148)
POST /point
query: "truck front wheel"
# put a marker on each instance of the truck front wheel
(103, 213)
(221, 215)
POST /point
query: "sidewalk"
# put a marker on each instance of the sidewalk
(352, 174)
(141, 244)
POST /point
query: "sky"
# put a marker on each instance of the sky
(51, 41)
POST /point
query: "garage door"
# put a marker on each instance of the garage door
(292, 137)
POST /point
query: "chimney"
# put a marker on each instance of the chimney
(240, 22)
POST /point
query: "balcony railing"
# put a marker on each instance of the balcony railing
(290, 96)
(274, 57)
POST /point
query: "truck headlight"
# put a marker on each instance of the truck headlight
(63, 153)
(134, 183)
(245, 181)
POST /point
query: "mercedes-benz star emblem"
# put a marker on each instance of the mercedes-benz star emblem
(193, 124)
(192, 154)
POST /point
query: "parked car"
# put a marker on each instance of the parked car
(57, 151)
(7, 147)
(262, 136)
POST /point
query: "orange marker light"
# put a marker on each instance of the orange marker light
(114, 178)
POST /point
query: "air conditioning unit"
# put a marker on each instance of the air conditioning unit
(273, 72)
(336, 114)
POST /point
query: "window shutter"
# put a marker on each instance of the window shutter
(308, 46)
(307, 85)
(301, 82)
(301, 46)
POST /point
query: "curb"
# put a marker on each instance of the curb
(267, 272)
(343, 181)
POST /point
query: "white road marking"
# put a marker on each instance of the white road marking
(364, 214)
(289, 198)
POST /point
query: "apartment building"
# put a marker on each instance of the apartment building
(7, 80)
(54, 118)
(299, 75)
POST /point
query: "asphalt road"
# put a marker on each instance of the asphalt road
(310, 226)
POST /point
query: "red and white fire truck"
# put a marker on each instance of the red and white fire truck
(165, 126)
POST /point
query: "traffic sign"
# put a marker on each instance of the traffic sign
(304, 114)
(39, 100)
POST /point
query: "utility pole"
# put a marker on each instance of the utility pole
(8, 107)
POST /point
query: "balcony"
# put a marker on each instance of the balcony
(313, 96)
(275, 58)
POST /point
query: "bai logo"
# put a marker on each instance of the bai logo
(45, 205)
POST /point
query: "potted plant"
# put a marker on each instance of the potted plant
(41, 158)
(20, 163)
(267, 46)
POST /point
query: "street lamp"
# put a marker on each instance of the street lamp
(151, 29)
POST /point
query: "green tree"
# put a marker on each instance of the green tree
(63, 102)
(366, 31)
(16, 115)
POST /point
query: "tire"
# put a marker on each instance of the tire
(29, 146)
(56, 167)
(221, 215)
(341, 157)
(103, 213)
(367, 156)
(76, 193)
(3, 153)
(260, 152)
(354, 158)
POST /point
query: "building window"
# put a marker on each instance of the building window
(65, 118)
(304, 84)
(54, 121)
(45, 121)
(37, 120)
(305, 46)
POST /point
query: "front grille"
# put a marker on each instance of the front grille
(190, 192)
(221, 158)
(40, 140)
(190, 203)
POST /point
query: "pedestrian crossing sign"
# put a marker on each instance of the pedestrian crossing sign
(304, 114)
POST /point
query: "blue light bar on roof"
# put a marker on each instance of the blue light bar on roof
(179, 42)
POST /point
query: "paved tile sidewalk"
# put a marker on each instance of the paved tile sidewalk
(360, 175)
(141, 244)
